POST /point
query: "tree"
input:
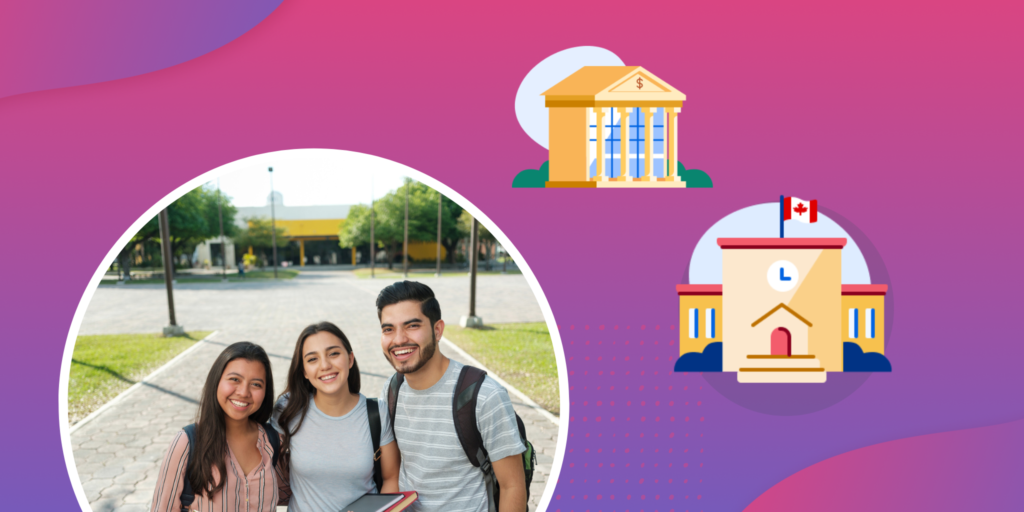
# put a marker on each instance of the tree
(258, 234)
(192, 219)
(390, 221)
(484, 237)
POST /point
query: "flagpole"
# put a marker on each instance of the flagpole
(782, 217)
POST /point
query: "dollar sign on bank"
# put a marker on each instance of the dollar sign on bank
(639, 83)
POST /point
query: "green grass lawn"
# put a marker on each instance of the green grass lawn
(104, 365)
(256, 275)
(384, 273)
(521, 354)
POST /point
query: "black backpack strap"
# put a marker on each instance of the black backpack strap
(396, 383)
(275, 441)
(187, 495)
(467, 388)
(373, 415)
(464, 399)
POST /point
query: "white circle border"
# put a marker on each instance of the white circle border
(324, 158)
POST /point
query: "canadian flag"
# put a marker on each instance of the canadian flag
(794, 208)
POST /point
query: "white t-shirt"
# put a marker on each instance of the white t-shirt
(332, 458)
(433, 461)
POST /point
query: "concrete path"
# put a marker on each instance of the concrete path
(118, 452)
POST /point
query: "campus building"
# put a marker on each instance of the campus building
(613, 126)
(781, 313)
(313, 234)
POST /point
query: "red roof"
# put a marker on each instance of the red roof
(699, 289)
(781, 243)
(865, 289)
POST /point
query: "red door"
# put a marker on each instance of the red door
(781, 342)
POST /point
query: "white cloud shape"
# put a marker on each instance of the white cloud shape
(530, 109)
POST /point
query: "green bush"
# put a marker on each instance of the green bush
(694, 178)
(531, 178)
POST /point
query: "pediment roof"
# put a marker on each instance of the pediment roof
(613, 84)
(776, 308)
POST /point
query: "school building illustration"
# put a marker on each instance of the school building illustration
(613, 126)
(781, 314)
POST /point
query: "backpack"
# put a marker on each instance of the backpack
(372, 412)
(187, 494)
(467, 388)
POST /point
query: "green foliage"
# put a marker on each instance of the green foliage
(259, 234)
(482, 233)
(694, 178)
(389, 225)
(531, 178)
(192, 219)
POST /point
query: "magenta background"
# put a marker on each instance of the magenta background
(903, 118)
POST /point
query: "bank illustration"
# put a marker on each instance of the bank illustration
(781, 313)
(605, 126)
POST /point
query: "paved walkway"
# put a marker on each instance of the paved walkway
(118, 452)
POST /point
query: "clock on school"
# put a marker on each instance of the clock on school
(782, 314)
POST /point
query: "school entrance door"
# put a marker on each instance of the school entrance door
(782, 342)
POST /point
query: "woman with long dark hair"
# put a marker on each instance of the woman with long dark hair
(326, 444)
(230, 465)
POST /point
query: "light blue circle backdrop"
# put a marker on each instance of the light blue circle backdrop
(762, 221)
(530, 109)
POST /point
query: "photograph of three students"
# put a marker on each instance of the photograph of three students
(392, 391)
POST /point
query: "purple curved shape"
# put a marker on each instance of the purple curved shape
(972, 469)
(49, 44)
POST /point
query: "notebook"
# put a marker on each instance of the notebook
(382, 502)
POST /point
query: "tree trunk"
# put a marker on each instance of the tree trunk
(451, 246)
(391, 256)
(125, 261)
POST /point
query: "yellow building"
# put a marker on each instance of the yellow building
(790, 319)
(313, 232)
(864, 316)
(700, 313)
(633, 114)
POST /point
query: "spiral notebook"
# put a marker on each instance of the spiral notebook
(382, 502)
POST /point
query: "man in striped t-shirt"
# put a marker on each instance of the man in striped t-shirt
(433, 461)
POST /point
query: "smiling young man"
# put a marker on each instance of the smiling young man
(434, 462)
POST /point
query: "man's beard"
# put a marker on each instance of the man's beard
(426, 353)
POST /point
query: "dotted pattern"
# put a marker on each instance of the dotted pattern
(636, 430)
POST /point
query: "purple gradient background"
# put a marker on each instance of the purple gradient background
(45, 44)
(903, 118)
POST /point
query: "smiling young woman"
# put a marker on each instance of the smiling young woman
(230, 440)
(327, 426)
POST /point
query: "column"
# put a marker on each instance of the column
(590, 152)
(648, 143)
(671, 146)
(302, 253)
(624, 145)
(600, 176)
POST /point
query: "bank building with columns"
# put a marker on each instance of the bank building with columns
(613, 126)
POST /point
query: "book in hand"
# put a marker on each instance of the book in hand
(382, 502)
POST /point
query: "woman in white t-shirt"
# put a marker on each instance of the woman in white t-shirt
(326, 445)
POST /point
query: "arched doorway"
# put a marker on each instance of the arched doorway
(782, 342)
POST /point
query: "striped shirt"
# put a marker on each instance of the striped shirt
(433, 462)
(255, 492)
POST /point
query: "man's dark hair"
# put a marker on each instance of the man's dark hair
(410, 290)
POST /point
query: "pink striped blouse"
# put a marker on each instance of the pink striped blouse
(255, 492)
